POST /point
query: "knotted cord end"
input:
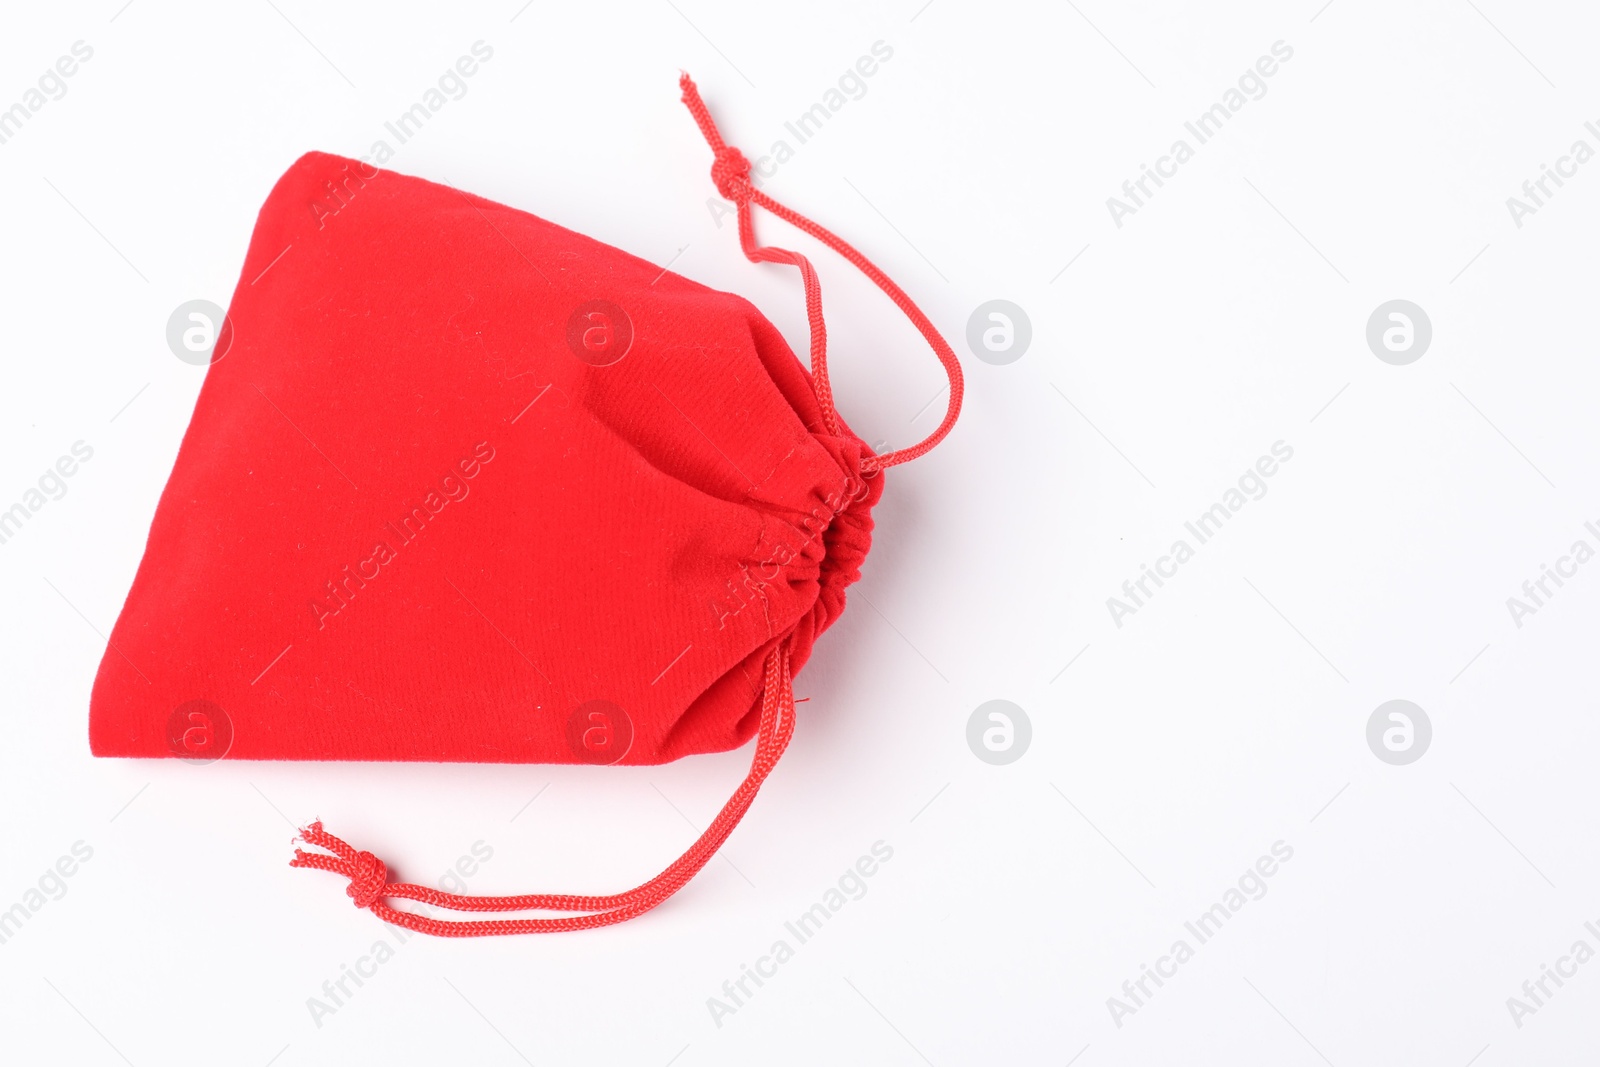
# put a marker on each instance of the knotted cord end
(730, 171)
(369, 877)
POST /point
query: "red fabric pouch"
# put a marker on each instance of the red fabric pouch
(462, 485)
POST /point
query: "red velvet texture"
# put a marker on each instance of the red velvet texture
(457, 473)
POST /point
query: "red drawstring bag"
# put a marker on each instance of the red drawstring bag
(462, 485)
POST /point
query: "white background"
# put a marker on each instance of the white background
(1167, 755)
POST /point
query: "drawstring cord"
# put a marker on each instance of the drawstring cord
(730, 170)
(370, 887)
